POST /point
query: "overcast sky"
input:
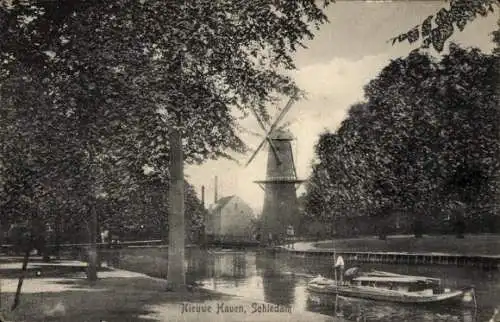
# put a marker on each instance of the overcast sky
(345, 55)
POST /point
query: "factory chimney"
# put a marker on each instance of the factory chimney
(216, 197)
(203, 196)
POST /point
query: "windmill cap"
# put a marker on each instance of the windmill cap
(282, 134)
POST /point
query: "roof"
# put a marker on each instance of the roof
(376, 273)
(281, 134)
(221, 203)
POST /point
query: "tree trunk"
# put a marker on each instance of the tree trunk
(382, 224)
(92, 218)
(176, 229)
(99, 247)
(460, 227)
(17, 297)
(92, 248)
(39, 237)
(460, 224)
(418, 229)
(57, 239)
(163, 200)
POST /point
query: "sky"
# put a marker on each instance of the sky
(344, 55)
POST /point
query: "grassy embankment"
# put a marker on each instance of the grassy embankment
(470, 245)
(60, 292)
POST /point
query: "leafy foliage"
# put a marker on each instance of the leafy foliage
(90, 91)
(436, 29)
(425, 140)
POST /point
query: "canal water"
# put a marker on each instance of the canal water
(281, 279)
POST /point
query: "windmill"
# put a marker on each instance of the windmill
(280, 201)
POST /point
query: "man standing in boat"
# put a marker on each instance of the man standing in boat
(339, 264)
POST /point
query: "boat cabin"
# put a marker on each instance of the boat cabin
(399, 283)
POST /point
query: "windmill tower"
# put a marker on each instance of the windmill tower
(280, 184)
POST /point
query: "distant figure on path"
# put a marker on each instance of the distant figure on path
(290, 235)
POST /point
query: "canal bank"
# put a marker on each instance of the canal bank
(405, 258)
(281, 279)
(122, 295)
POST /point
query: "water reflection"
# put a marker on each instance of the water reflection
(282, 279)
(364, 310)
(221, 267)
(278, 287)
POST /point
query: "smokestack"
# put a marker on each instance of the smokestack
(216, 197)
(203, 196)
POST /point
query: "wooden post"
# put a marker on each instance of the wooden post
(176, 275)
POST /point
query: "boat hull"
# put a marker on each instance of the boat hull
(372, 293)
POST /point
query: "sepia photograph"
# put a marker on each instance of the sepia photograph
(249, 161)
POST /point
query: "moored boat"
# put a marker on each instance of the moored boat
(391, 287)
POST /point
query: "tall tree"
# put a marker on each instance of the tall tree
(109, 68)
(426, 140)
